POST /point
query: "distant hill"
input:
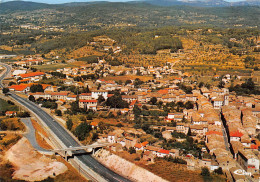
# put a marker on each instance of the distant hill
(96, 15)
(11, 6)
(203, 3)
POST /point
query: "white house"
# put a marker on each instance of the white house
(162, 153)
(88, 104)
(96, 93)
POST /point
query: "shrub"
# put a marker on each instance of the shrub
(137, 159)
(132, 150)
(205, 171)
(219, 171)
(69, 124)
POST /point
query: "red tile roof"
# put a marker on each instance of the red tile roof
(88, 100)
(19, 87)
(236, 134)
(254, 146)
(87, 94)
(27, 75)
(214, 132)
(110, 81)
(163, 91)
(164, 151)
(133, 102)
(44, 86)
(24, 80)
(93, 123)
(10, 112)
(138, 145)
(145, 143)
(72, 96)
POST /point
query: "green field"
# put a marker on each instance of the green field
(52, 67)
(4, 106)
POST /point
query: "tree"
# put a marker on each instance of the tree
(116, 101)
(54, 105)
(58, 112)
(32, 98)
(221, 84)
(36, 88)
(100, 99)
(205, 171)
(82, 130)
(75, 107)
(69, 123)
(201, 84)
(138, 82)
(153, 100)
(86, 90)
(258, 136)
(218, 171)
(132, 150)
(94, 136)
(23, 114)
(136, 110)
(127, 82)
(188, 105)
(11, 83)
(5, 90)
(99, 86)
(144, 107)
(102, 125)
(180, 104)
(249, 84)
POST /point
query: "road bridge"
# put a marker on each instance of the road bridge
(70, 151)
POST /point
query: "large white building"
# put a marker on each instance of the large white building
(96, 93)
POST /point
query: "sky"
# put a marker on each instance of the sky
(66, 1)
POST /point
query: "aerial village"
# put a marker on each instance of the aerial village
(221, 126)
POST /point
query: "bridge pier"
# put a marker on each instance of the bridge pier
(66, 156)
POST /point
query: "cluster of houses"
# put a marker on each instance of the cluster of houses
(241, 133)
(228, 124)
(123, 138)
(29, 62)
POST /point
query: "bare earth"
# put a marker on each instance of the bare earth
(30, 165)
(126, 168)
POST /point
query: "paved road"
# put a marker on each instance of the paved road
(31, 135)
(66, 138)
(4, 74)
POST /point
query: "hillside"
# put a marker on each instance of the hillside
(203, 3)
(14, 6)
(107, 14)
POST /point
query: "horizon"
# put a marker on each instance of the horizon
(72, 1)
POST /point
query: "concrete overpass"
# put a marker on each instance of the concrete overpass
(70, 151)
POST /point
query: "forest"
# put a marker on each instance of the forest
(142, 40)
(107, 14)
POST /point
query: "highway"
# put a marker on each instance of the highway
(65, 137)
